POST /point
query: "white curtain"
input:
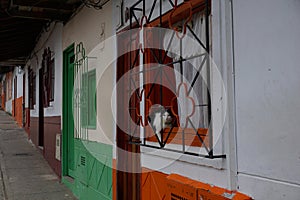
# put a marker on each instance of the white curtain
(190, 47)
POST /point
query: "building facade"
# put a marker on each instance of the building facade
(224, 72)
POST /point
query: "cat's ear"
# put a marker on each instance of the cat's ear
(170, 112)
(149, 119)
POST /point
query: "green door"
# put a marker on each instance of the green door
(68, 120)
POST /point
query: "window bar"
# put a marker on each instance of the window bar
(144, 10)
(137, 3)
(167, 77)
(196, 37)
(197, 74)
(160, 13)
(153, 84)
(74, 106)
(170, 63)
(155, 57)
(86, 65)
(77, 90)
(169, 133)
(130, 18)
(172, 4)
(201, 140)
(180, 61)
(82, 99)
(208, 77)
(130, 137)
(181, 72)
(152, 9)
(161, 73)
(168, 47)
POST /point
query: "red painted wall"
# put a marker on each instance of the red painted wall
(34, 130)
(52, 126)
(3, 101)
(27, 121)
(17, 110)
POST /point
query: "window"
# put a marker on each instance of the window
(9, 85)
(32, 88)
(176, 77)
(89, 96)
(51, 80)
(48, 77)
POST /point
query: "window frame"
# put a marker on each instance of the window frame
(87, 111)
(31, 88)
(162, 21)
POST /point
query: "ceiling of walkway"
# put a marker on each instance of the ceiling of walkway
(21, 22)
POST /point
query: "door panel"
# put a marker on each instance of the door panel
(68, 122)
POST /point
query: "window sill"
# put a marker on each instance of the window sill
(218, 163)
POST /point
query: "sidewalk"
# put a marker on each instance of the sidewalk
(24, 174)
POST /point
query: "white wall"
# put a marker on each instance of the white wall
(267, 47)
(19, 75)
(86, 27)
(52, 39)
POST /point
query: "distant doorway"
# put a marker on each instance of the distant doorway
(15, 96)
(41, 109)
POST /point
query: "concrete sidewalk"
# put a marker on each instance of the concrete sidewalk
(24, 174)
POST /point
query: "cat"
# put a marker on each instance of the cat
(159, 119)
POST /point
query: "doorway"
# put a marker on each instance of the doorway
(68, 122)
(15, 96)
(23, 101)
(41, 109)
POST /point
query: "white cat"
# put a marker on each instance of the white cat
(159, 119)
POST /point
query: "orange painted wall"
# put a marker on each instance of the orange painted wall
(3, 101)
(17, 110)
(159, 186)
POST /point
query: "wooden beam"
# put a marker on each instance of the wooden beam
(39, 13)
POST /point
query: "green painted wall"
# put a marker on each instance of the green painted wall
(93, 171)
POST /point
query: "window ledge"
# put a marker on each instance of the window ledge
(217, 163)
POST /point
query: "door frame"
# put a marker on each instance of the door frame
(67, 140)
(15, 95)
(23, 101)
(41, 109)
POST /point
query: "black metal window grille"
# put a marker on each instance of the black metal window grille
(48, 77)
(205, 149)
(32, 88)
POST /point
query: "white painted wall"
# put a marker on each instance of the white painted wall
(86, 27)
(19, 75)
(52, 39)
(267, 47)
(8, 106)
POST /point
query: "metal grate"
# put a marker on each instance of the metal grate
(82, 160)
(141, 16)
(80, 96)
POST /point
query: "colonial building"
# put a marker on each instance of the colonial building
(166, 99)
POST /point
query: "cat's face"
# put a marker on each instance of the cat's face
(160, 119)
(167, 118)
